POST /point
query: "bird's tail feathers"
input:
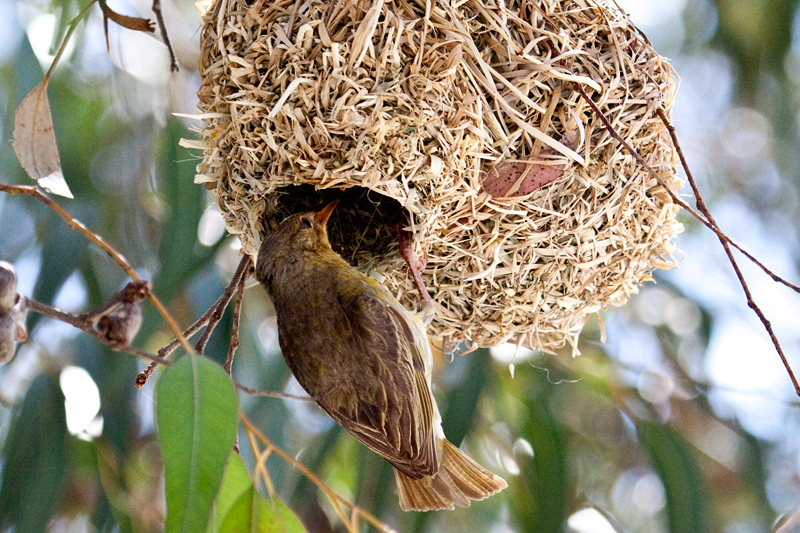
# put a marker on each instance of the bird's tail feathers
(459, 480)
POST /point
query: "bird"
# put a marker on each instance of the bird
(366, 361)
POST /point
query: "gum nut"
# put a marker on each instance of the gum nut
(120, 327)
(18, 314)
(8, 287)
(8, 331)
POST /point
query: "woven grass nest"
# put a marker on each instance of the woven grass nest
(460, 120)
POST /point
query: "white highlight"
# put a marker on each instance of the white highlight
(82, 403)
(589, 521)
(211, 227)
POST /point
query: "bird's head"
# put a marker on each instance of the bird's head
(294, 236)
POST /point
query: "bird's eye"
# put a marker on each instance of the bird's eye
(305, 223)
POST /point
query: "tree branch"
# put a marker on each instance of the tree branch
(708, 222)
(86, 326)
(97, 240)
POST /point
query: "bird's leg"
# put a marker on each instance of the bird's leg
(416, 266)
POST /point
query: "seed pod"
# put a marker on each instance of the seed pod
(18, 314)
(120, 327)
(12, 325)
(8, 333)
(8, 287)
(136, 291)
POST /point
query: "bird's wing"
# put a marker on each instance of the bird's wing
(390, 409)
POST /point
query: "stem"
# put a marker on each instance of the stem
(173, 63)
(335, 498)
(701, 205)
(73, 24)
(217, 309)
(214, 315)
(237, 311)
(87, 327)
(270, 394)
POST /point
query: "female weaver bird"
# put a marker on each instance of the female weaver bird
(366, 361)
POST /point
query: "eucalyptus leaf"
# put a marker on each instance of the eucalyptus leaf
(235, 482)
(543, 491)
(35, 142)
(35, 459)
(673, 462)
(196, 412)
(251, 513)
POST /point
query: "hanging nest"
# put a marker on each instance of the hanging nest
(460, 120)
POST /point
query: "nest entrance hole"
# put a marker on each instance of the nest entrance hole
(362, 228)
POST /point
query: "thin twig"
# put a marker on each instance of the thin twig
(237, 311)
(97, 240)
(723, 239)
(173, 63)
(32, 190)
(201, 322)
(261, 463)
(218, 309)
(170, 347)
(271, 394)
(701, 206)
(335, 498)
(221, 303)
(87, 327)
(72, 25)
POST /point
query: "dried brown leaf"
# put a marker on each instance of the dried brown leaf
(35, 142)
(131, 23)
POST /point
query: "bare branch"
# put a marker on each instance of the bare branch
(87, 327)
(709, 223)
(218, 309)
(237, 311)
(701, 205)
(173, 63)
(214, 314)
(96, 239)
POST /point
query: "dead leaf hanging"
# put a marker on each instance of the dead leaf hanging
(35, 142)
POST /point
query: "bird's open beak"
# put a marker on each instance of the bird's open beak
(324, 214)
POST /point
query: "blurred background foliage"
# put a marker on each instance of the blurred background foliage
(683, 420)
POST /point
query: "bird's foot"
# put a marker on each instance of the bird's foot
(415, 265)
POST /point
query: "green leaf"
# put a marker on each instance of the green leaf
(35, 459)
(196, 413)
(235, 482)
(683, 485)
(112, 479)
(240, 508)
(251, 513)
(462, 400)
(542, 493)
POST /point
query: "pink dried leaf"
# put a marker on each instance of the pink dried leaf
(520, 178)
(502, 180)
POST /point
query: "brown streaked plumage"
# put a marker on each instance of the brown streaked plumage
(366, 361)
